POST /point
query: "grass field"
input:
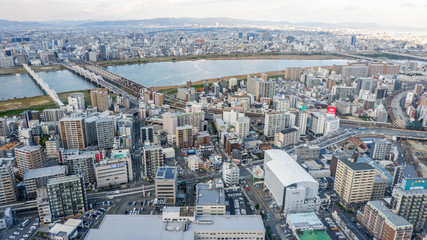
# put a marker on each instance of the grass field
(38, 103)
(16, 70)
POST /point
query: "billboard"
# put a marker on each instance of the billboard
(304, 108)
(332, 110)
(414, 183)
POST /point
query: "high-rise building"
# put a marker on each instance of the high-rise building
(90, 131)
(301, 122)
(230, 174)
(77, 101)
(365, 83)
(380, 222)
(191, 118)
(67, 196)
(37, 178)
(231, 117)
(242, 127)
(53, 115)
(103, 51)
(275, 122)
(166, 185)
(354, 183)
(317, 123)
(43, 206)
(4, 128)
(147, 134)
(402, 172)
(29, 157)
(159, 99)
(409, 200)
(71, 131)
(184, 137)
(82, 165)
(292, 73)
(260, 88)
(7, 181)
(380, 149)
(105, 132)
(52, 147)
(170, 122)
(153, 159)
(100, 99)
(353, 40)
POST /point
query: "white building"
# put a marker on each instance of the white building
(77, 101)
(332, 124)
(242, 126)
(275, 122)
(193, 162)
(317, 123)
(231, 117)
(230, 174)
(292, 187)
(179, 223)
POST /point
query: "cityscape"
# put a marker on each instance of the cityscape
(206, 125)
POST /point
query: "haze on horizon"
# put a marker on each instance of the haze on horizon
(387, 12)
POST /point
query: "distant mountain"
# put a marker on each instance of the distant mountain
(184, 22)
(14, 24)
(68, 23)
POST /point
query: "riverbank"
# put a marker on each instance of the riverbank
(38, 103)
(234, 56)
(20, 70)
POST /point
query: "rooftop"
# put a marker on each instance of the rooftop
(286, 169)
(44, 172)
(63, 179)
(357, 166)
(9, 146)
(136, 227)
(208, 194)
(314, 235)
(303, 220)
(164, 173)
(384, 211)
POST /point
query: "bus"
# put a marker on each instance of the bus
(25, 223)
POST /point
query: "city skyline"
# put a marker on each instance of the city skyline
(397, 13)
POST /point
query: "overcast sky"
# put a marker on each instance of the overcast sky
(411, 13)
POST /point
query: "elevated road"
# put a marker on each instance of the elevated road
(44, 86)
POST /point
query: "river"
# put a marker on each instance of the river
(151, 74)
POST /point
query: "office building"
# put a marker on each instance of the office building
(292, 73)
(114, 171)
(71, 132)
(289, 136)
(409, 200)
(242, 127)
(210, 200)
(77, 101)
(275, 122)
(105, 132)
(317, 123)
(147, 134)
(194, 162)
(67, 196)
(353, 40)
(37, 178)
(184, 137)
(166, 185)
(291, 186)
(153, 159)
(53, 115)
(380, 222)
(7, 181)
(29, 157)
(230, 174)
(103, 52)
(260, 88)
(354, 183)
(100, 99)
(380, 149)
(179, 223)
(170, 122)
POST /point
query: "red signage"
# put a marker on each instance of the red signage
(331, 110)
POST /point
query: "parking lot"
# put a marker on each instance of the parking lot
(21, 231)
(136, 204)
(237, 203)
